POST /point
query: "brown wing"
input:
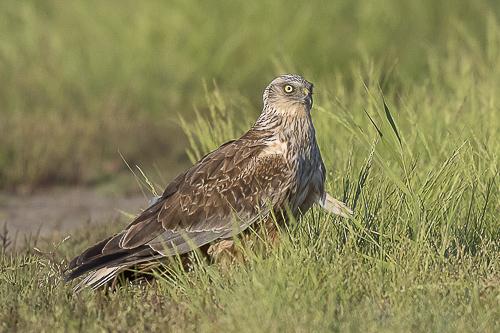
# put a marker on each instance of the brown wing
(221, 195)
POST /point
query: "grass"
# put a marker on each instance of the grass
(88, 78)
(412, 146)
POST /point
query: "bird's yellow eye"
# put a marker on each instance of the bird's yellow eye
(288, 88)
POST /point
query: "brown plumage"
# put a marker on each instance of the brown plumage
(275, 166)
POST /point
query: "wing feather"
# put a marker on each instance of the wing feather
(223, 194)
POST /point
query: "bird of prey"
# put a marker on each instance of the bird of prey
(275, 167)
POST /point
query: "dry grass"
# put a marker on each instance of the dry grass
(420, 171)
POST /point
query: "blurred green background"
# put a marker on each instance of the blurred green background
(163, 82)
(82, 81)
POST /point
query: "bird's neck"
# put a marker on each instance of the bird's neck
(294, 127)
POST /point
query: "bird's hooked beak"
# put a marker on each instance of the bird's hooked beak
(308, 96)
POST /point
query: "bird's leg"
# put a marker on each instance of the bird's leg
(217, 248)
(225, 253)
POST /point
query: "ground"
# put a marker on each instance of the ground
(98, 97)
(62, 210)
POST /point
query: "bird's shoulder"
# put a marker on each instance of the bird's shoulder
(237, 162)
(252, 155)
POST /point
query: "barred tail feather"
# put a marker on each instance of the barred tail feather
(98, 278)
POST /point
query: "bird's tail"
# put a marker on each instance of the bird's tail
(98, 278)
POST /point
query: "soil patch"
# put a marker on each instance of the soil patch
(61, 210)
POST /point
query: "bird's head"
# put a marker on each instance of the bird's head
(287, 92)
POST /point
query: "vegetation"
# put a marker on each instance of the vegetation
(406, 112)
(82, 80)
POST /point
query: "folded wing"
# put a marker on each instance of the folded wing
(221, 195)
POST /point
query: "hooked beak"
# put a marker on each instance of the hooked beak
(308, 100)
